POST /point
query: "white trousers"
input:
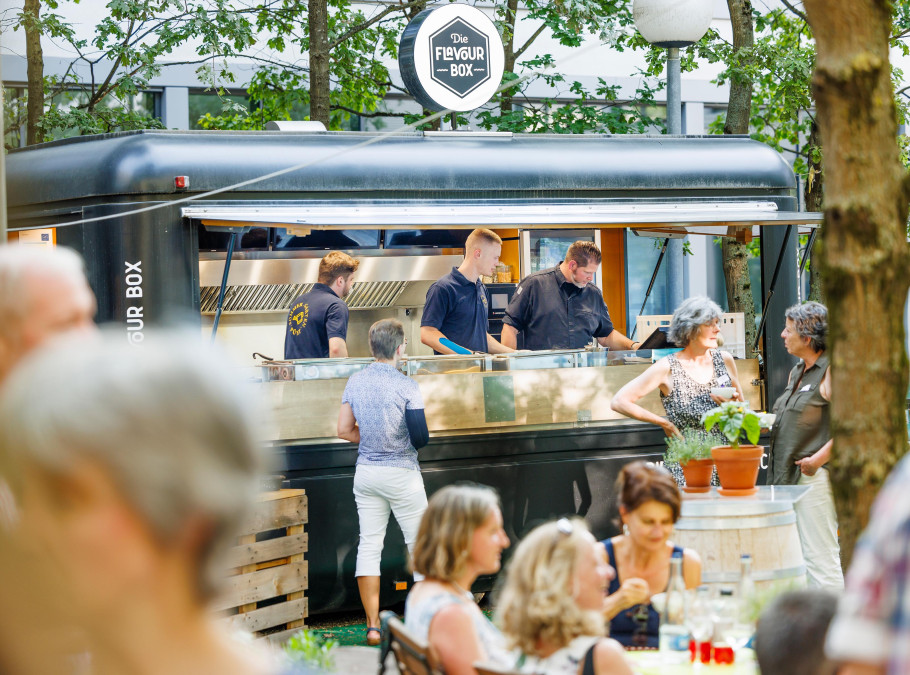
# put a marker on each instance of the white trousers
(816, 521)
(379, 490)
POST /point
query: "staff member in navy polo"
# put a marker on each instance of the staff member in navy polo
(456, 306)
(560, 308)
(318, 320)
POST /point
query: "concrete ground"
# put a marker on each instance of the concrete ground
(361, 661)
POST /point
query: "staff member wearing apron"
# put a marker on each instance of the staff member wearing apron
(318, 320)
(801, 441)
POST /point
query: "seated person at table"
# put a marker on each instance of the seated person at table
(790, 634)
(460, 537)
(552, 603)
(649, 505)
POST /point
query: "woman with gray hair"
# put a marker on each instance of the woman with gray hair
(685, 379)
(801, 441)
(132, 468)
(382, 411)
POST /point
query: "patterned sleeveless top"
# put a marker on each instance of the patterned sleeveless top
(689, 400)
(419, 614)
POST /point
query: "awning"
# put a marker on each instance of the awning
(711, 218)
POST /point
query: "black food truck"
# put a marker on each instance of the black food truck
(212, 228)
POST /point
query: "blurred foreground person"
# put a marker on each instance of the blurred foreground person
(460, 538)
(871, 630)
(132, 466)
(551, 607)
(43, 293)
(790, 635)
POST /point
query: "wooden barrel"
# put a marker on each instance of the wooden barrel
(721, 529)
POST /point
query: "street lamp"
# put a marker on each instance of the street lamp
(673, 24)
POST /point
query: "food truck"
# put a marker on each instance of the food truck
(225, 229)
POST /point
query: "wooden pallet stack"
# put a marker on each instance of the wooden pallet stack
(264, 593)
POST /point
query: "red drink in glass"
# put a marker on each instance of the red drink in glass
(723, 654)
(704, 651)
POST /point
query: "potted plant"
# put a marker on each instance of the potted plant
(692, 451)
(737, 463)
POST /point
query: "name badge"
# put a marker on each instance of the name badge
(723, 380)
(808, 387)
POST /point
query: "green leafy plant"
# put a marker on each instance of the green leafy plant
(311, 648)
(693, 444)
(735, 421)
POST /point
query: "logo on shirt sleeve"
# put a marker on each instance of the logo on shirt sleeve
(298, 317)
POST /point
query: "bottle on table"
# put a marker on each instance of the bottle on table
(743, 627)
(673, 640)
(701, 625)
(724, 616)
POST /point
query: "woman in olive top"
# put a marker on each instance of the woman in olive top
(801, 441)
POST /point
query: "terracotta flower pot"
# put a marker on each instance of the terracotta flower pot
(698, 474)
(737, 469)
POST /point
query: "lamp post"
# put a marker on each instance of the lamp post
(673, 24)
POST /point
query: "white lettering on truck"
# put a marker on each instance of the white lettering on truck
(134, 314)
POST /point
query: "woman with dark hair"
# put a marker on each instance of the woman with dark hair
(649, 504)
(801, 441)
(685, 379)
(382, 411)
(460, 537)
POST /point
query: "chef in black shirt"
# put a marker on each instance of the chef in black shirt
(560, 308)
(318, 320)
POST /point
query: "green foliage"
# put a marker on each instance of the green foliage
(309, 648)
(692, 445)
(130, 46)
(735, 421)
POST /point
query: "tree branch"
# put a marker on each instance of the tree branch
(793, 9)
(373, 20)
(531, 39)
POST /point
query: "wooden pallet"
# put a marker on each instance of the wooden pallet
(264, 592)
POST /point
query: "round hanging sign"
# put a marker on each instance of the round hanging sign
(451, 58)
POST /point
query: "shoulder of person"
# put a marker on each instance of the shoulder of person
(454, 617)
(609, 656)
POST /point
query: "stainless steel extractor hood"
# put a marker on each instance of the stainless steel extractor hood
(271, 284)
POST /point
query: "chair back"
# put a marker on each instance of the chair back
(483, 668)
(412, 655)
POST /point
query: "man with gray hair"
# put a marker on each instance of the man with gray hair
(43, 292)
(132, 466)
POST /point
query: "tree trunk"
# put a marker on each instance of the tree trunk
(865, 257)
(35, 72)
(739, 110)
(320, 86)
(508, 47)
(813, 196)
(739, 106)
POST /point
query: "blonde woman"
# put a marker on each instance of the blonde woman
(460, 537)
(551, 607)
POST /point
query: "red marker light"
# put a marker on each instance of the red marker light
(181, 182)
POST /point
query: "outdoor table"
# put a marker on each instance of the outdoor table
(720, 529)
(649, 662)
